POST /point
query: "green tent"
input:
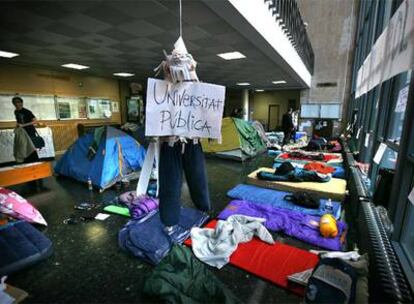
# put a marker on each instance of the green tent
(240, 140)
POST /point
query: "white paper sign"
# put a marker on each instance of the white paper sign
(411, 196)
(366, 144)
(115, 107)
(358, 132)
(402, 100)
(380, 153)
(101, 216)
(392, 52)
(189, 109)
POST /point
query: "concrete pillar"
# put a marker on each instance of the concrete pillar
(245, 103)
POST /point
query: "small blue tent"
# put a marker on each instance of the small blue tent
(116, 155)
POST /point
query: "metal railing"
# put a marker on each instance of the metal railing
(286, 13)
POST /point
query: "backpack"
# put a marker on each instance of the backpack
(303, 199)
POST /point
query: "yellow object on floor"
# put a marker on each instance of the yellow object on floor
(334, 189)
(327, 226)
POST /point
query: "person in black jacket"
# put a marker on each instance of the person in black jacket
(26, 120)
(287, 126)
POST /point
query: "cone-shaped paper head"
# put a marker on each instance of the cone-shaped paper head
(179, 46)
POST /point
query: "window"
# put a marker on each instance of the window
(397, 111)
(309, 111)
(327, 111)
(99, 108)
(48, 107)
(407, 235)
(331, 111)
(42, 106)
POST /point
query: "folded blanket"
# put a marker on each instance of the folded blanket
(301, 226)
(275, 198)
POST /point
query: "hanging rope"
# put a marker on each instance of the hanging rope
(181, 21)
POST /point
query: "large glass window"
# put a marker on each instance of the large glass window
(407, 236)
(42, 106)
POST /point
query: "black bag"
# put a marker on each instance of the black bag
(38, 141)
(303, 199)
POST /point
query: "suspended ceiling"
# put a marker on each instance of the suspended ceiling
(129, 36)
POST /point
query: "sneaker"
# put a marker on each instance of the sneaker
(169, 230)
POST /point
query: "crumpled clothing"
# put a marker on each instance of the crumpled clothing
(310, 156)
(23, 145)
(181, 278)
(346, 256)
(319, 167)
(147, 240)
(296, 175)
(215, 246)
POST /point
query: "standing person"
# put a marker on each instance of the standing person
(295, 121)
(26, 120)
(287, 126)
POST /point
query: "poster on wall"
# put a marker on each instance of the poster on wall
(184, 109)
(64, 110)
(115, 106)
(402, 100)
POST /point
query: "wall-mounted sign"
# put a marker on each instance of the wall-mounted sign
(380, 153)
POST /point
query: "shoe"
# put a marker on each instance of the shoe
(169, 230)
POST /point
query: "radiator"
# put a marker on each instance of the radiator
(387, 282)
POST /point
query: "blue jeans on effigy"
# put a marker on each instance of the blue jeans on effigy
(171, 165)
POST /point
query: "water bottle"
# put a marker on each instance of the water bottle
(329, 206)
(90, 184)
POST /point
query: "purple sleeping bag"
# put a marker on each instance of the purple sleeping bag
(292, 223)
(138, 206)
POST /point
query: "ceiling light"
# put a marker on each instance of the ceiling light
(243, 83)
(75, 66)
(231, 55)
(8, 54)
(278, 81)
(259, 90)
(123, 74)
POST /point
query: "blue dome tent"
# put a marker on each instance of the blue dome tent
(115, 155)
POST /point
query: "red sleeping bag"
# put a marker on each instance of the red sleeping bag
(271, 262)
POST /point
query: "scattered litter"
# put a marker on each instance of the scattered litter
(102, 216)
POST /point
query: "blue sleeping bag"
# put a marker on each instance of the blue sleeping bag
(21, 245)
(276, 199)
(146, 239)
(338, 173)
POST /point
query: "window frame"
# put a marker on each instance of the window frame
(402, 185)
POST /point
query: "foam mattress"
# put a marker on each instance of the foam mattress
(22, 245)
(334, 189)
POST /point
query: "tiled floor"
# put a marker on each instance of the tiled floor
(87, 265)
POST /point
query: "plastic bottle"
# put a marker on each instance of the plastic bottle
(329, 206)
(90, 184)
